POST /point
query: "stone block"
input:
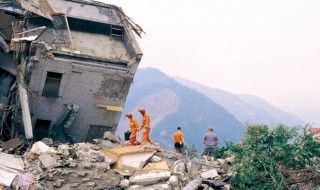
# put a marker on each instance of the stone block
(210, 174)
(149, 177)
(47, 161)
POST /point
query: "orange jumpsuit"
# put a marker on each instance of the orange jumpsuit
(146, 129)
(134, 128)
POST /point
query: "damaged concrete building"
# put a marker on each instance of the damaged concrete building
(66, 68)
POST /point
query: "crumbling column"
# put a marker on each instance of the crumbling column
(25, 111)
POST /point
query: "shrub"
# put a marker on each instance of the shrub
(265, 154)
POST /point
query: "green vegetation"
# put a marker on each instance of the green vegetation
(271, 158)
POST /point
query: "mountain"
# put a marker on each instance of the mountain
(246, 108)
(171, 105)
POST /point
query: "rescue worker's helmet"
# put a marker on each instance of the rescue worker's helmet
(129, 114)
(141, 110)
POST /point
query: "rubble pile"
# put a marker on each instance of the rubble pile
(108, 164)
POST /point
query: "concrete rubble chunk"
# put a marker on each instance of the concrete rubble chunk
(90, 184)
(63, 149)
(132, 156)
(109, 136)
(192, 169)
(213, 183)
(173, 181)
(124, 183)
(157, 166)
(11, 145)
(227, 187)
(179, 168)
(149, 177)
(210, 174)
(41, 148)
(230, 160)
(221, 161)
(193, 185)
(151, 187)
(204, 187)
(73, 185)
(47, 141)
(48, 161)
(108, 143)
(155, 159)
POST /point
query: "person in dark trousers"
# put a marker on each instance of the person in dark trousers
(210, 141)
(179, 143)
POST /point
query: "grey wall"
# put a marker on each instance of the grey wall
(81, 84)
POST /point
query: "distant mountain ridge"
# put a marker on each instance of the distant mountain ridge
(246, 108)
(171, 105)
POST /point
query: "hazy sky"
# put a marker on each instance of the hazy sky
(268, 48)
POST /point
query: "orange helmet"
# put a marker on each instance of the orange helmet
(129, 114)
(141, 110)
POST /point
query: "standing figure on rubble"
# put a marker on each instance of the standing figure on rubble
(134, 129)
(179, 143)
(145, 126)
(210, 141)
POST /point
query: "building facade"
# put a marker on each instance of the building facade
(78, 60)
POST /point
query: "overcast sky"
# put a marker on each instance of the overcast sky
(268, 48)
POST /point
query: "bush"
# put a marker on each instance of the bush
(265, 154)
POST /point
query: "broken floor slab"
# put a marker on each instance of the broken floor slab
(40, 148)
(162, 186)
(133, 156)
(11, 144)
(157, 166)
(48, 161)
(149, 177)
(210, 174)
(7, 176)
(11, 161)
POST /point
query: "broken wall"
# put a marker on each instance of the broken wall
(84, 84)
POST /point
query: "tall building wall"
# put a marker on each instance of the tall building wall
(83, 85)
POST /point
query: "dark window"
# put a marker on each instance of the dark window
(41, 130)
(52, 85)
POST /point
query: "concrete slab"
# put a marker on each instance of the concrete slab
(132, 156)
(48, 161)
(210, 174)
(149, 177)
(7, 176)
(11, 161)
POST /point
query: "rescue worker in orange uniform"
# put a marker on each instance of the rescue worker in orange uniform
(134, 129)
(179, 143)
(145, 126)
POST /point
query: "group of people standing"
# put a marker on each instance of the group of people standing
(210, 139)
(135, 128)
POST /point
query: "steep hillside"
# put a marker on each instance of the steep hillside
(246, 108)
(171, 105)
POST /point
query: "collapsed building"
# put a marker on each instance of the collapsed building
(66, 67)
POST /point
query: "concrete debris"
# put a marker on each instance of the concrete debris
(151, 187)
(179, 168)
(210, 174)
(109, 136)
(41, 148)
(48, 161)
(93, 166)
(173, 181)
(155, 159)
(149, 177)
(11, 145)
